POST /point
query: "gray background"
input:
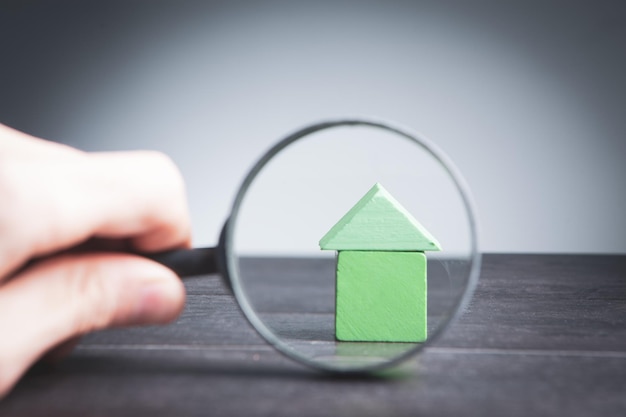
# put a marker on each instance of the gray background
(527, 97)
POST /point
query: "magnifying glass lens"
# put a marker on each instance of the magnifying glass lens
(352, 247)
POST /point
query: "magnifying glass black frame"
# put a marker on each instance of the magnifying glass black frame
(221, 259)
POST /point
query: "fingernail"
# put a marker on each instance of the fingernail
(159, 301)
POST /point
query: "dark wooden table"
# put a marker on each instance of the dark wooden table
(544, 335)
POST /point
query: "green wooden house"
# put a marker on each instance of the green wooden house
(381, 271)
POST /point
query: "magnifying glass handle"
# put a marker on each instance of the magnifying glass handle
(184, 262)
(188, 262)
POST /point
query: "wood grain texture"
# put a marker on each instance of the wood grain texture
(378, 222)
(381, 296)
(544, 335)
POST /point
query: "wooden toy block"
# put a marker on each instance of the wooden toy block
(378, 222)
(381, 296)
(381, 271)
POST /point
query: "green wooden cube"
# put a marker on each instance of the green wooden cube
(381, 296)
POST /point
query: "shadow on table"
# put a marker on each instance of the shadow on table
(142, 364)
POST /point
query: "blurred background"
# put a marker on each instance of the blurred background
(528, 97)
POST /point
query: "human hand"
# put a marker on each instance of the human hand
(54, 198)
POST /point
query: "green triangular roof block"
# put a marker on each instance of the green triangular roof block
(379, 222)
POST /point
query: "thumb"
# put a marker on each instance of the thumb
(74, 294)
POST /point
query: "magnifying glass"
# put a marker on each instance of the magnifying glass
(350, 246)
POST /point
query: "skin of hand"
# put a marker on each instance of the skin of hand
(54, 198)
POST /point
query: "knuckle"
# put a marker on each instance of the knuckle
(164, 163)
(165, 174)
(159, 159)
(172, 186)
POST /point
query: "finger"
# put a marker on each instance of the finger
(159, 217)
(74, 294)
(50, 205)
